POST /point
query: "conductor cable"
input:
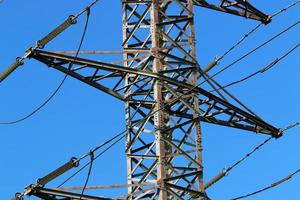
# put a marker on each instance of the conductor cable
(226, 171)
(54, 93)
(254, 50)
(260, 71)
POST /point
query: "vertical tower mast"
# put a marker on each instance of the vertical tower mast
(164, 149)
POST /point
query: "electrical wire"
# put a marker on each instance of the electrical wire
(87, 8)
(227, 171)
(285, 9)
(122, 135)
(259, 146)
(254, 50)
(262, 70)
(239, 42)
(273, 185)
(218, 59)
(88, 175)
(38, 108)
(96, 157)
(54, 93)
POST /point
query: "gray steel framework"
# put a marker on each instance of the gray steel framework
(164, 104)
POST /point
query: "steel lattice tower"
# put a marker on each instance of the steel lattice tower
(164, 104)
(165, 148)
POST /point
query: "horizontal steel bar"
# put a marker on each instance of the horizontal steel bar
(42, 192)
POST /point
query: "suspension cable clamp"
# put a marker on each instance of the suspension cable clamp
(18, 196)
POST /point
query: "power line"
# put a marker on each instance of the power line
(273, 185)
(61, 83)
(291, 126)
(254, 50)
(88, 174)
(87, 8)
(262, 70)
(226, 171)
(117, 137)
(285, 8)
(96, 157)
(218, 59)
(258, 147)
(239, 42)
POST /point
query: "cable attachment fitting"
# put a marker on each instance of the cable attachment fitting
(18, 196)
(211, 65)
(57, 31)
(280, 132)
(92, 156)
(269, 66)
(218, 177)
(88, 11)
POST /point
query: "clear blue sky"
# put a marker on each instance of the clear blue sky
(80, 117)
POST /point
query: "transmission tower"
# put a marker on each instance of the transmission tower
(164, 103)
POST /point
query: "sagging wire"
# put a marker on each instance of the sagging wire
(40, 44)
(76, 163)
(239, 42)
(92, 157)
(262, 70)
(273, 185)
(114, 140)
(225, 172)
(254, 50)
(118, 137)
(54, 93)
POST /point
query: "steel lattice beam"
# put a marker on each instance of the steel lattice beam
(236, 7)
(54, 194)
(212, 109)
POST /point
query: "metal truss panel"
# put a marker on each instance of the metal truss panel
(170, 30)
(54, 194)
(241, 8)
(175, 84)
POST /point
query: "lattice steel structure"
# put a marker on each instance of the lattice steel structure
(164, 104)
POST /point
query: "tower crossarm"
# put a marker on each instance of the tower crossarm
(109, 78)
(56, 194)
(236, 7)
